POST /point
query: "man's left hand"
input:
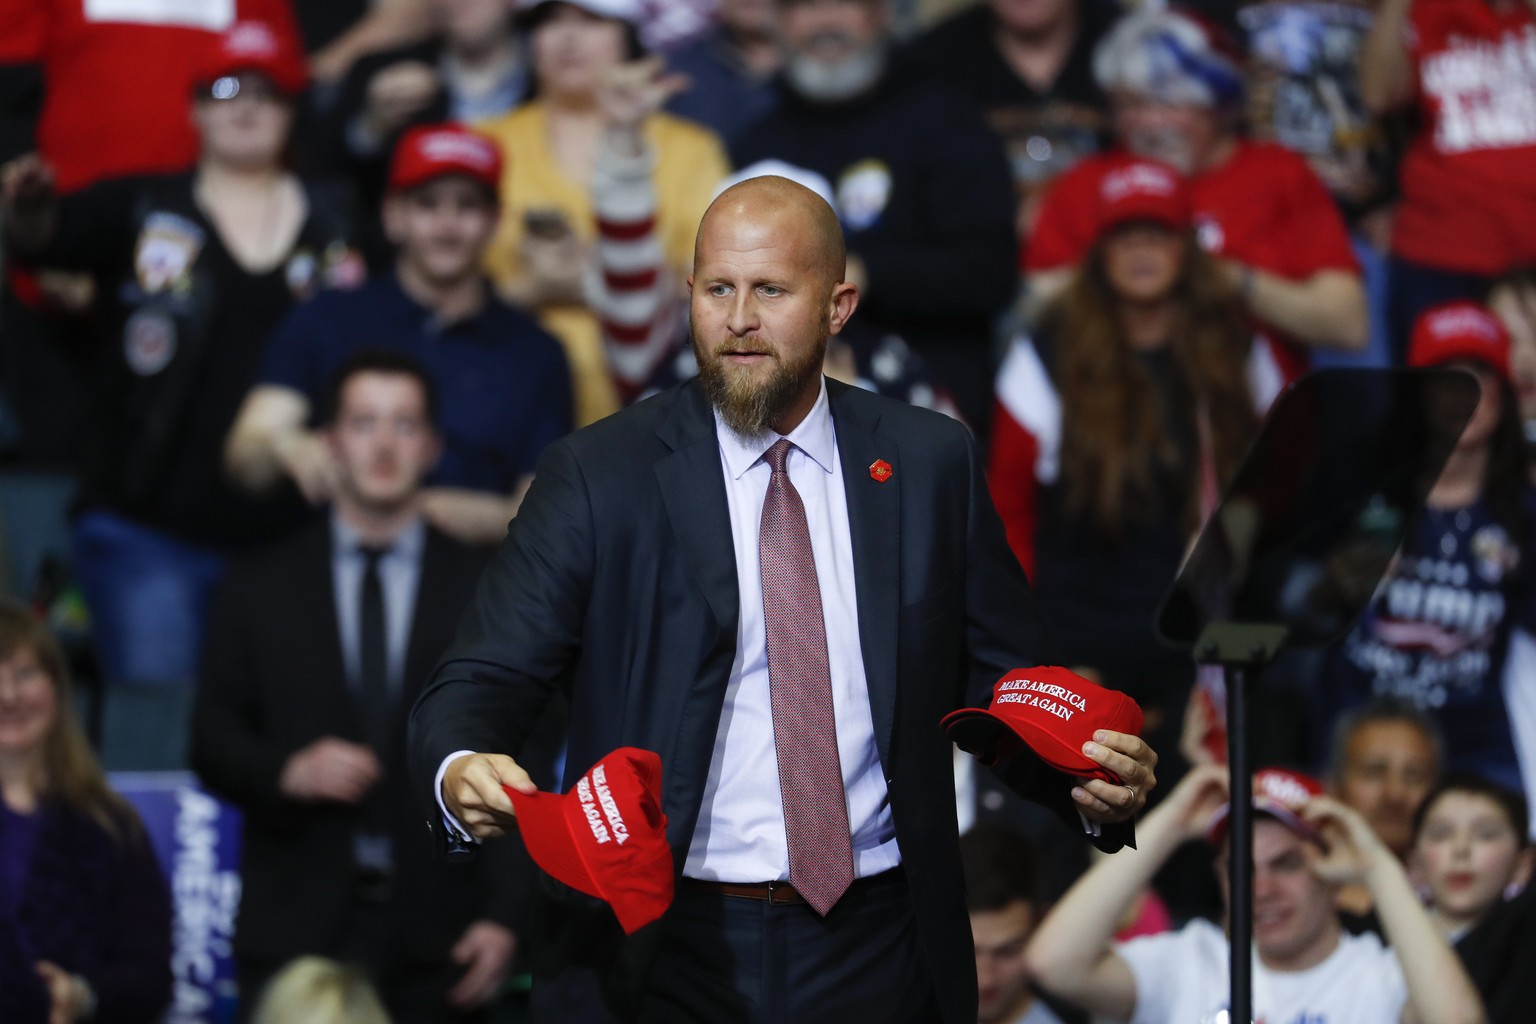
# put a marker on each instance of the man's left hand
(1129, 758)
(485, 949)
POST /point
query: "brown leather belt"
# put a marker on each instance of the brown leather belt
(780, 893)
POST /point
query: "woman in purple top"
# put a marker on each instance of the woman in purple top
(85, 914)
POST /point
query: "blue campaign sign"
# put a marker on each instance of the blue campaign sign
(197, 840)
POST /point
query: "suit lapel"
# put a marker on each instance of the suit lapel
(874, 520)
(429, 597)
(693, 490)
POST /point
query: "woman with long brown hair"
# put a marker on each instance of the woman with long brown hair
(1116, 423)
(85, 914)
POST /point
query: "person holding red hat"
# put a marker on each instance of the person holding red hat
(1306, 967)
(504, 380)
(191, 272)
(1437, 632)
(1115, 424)
(779, 584)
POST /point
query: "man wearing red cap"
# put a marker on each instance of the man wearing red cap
(1306, 968)
(779, 585)
(504, 380)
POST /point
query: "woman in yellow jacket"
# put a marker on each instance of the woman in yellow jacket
(539, 257)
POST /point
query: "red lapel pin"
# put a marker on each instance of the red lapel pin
(880, 470)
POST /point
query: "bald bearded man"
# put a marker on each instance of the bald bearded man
(640, 581)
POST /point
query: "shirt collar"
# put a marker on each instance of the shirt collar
(813, 436)
(407, 543)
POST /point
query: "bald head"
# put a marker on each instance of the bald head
(778, 207)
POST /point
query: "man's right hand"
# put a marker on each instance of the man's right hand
(26, 182)
(472, 792)
(309, 461)
(330, 769)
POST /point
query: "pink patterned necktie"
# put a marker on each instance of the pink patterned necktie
(800, 690)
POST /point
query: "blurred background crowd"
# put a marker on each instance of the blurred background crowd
(295, 292)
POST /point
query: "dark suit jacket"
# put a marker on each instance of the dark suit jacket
(273, 681)
(617, 582)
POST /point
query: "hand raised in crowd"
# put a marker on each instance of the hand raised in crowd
(485, 952)
(473, 794)
(330, 769)
(396, 94)
(1352, 846)
(1191, 805)
(1129, 758)
(69, 999)
(629, 93)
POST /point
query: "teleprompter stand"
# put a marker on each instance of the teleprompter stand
(1294, 551)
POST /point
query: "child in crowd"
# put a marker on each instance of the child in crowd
(1472, 850)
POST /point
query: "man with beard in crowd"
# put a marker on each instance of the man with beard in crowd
(922, 187)
(759, 563)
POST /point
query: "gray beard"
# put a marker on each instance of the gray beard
(821, 82)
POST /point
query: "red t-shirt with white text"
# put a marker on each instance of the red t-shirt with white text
(118, 75)
(1468, 179)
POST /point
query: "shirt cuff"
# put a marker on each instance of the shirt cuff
(1091, 828)
(454, 826)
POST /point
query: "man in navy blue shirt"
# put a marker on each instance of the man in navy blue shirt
(504, 381)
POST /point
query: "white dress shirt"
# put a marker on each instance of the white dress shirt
(740, 833)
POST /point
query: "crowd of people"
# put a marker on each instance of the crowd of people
(296, 295)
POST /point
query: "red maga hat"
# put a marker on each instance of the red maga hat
(1144, 190)
(1279, 793)
(1053, 711)
(1459, 330)
(607, 837)
(255, 46)
(432, 150)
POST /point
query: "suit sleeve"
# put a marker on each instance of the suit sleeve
(229, 751)
(520, 636)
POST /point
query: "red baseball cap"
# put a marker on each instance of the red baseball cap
(607, 837)
(255, 46)
(433, 150)
(1459, 330)
(1279, 793)
(1144, 190)
(1050, 709)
